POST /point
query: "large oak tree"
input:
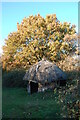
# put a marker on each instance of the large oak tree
(37, 37)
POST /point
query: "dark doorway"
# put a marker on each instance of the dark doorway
(33, 87)
(62, 82)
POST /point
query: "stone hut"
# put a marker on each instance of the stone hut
(44, 75)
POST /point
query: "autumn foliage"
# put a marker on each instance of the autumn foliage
(37, 37)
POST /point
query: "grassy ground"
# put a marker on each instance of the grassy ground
(63, 102)
(17, 103)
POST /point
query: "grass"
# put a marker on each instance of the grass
(17, 103)
(61, 103)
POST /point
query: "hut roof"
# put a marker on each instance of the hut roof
(44, 71)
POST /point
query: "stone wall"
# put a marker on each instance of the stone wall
(46, 86)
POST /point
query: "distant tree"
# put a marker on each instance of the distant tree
(37, 37)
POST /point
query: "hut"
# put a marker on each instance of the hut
(44, 75)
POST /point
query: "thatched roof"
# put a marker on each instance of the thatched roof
(44, 71)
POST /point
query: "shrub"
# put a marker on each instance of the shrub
(13, 78)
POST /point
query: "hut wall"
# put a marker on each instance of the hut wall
(38, 87)
(46, 86)
(28, 88)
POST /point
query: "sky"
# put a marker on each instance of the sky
(13, 12)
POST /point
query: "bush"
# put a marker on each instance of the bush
(13, 78)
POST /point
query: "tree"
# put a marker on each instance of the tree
(37, 37)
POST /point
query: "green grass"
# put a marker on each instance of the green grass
(63, 102)
(17, 103)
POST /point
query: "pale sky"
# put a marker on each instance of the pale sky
(13, 12)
